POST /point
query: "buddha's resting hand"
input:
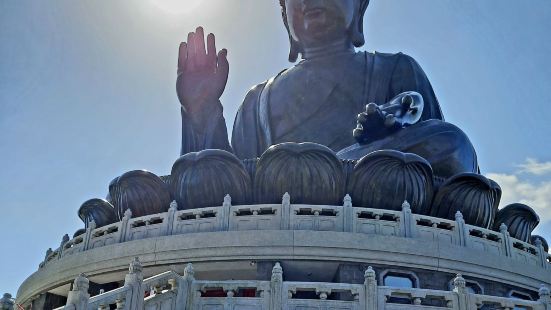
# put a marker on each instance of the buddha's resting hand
(202, 76)
(380, 121)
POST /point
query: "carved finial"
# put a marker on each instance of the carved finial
(369, 273)
(459, 284)
(128, 214)
(347, 201)
(277, 273)
(48, 252)
(189, 273)
(65, 239)
(227, 200)
(459, 216)
(173, 206)
(503, 228)
(545, 294)
(81, 283)
(135, 266)
(406, 207)
(7, 302)
(286, 199)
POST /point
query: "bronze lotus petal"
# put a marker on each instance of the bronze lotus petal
(140, 191)
(385, 179)
(474, 195)
(98, 210)
(520, 220)
(311, 173)
(202, 179)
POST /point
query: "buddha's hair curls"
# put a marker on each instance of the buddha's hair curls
(357, 34)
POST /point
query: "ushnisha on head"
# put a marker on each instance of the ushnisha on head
(316, 23)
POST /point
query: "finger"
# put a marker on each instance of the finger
(191, 51)
(182, 57)
(223, 68)
(211, 52)
(200, 52)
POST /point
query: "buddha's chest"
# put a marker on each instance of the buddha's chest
(317, 104)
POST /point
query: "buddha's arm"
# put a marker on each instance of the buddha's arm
(247, 137)
(208, 133)
(408, 76)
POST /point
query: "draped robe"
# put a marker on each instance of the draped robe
(318, 100)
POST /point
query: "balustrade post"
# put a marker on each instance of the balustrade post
(134, 282)
(276, 288)
(64, 241)
(545, 297)
(542, 254)
(88, 235)
(286, 212)
(124, 225)
(349, 220)
(78, 297)
(465, 300)
(224, 214)
(462, 235)
(408, 226)
(170, 217)
(7, 302)
(371, 289)
(507, 242)
(184, 298)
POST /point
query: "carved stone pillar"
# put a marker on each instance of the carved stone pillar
(371, 289)
(134, 281)
(78, 296)
(276, 288)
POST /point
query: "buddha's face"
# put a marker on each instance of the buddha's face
(314, 22)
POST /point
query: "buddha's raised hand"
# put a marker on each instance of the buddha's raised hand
(202, 73)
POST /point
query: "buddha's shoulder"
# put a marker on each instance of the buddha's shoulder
(395, 63)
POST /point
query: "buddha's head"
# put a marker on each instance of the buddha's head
(315, 23)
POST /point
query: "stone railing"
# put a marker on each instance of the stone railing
(170, 291)
(287, 216)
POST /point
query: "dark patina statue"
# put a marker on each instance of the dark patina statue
(295, 133)
(318, 99)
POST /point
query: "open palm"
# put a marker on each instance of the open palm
(202, 73)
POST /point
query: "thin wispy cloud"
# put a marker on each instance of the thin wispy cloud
(533, 166)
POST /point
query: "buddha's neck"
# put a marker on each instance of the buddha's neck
(335, 48)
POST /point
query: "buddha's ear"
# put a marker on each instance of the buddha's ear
(295, 49)
(357, 31)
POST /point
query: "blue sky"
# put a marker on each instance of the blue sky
(87, 93)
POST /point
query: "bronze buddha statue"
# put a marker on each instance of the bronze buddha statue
(319, 98)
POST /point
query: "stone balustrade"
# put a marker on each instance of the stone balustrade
(169, 291)
(287, 216)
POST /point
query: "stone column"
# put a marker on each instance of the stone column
(276, 288)
(542, 254)
(134, 282)
(286, 211)
(462, 234)
(88, 235)
(184, 299)
(408, 226)
(348, 210)
(224, 214)
(465, 300)
(507, 243)
(170, 217)
(545, 297)
(124, 225)
(78, 296)
(371, 289)
(7, 302)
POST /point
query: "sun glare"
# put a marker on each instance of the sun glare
(176, 7)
